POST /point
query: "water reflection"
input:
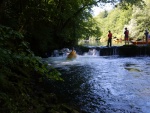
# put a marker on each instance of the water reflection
(105, 84)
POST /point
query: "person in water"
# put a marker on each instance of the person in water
(109, 39)
(72, 54)
(126, 36)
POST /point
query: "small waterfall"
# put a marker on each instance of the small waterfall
(125, 51)
(115, 51)
(62, 52)
(92, 52)
(55, 53)
(107, 51)
(142, 51)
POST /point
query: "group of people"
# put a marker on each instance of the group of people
(126, 37)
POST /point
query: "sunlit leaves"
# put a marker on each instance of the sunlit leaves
(115, 21)
(141, 19)
(135, 18)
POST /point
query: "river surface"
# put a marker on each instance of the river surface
(108, 84)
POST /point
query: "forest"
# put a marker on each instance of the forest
(30, 28)
(135, 18)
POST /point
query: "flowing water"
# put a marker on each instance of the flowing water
(108, 84)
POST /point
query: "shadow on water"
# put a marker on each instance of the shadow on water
(105, 84)
(77, 88)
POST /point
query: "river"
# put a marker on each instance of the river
(105, 84)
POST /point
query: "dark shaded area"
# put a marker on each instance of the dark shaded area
(48, 25)
(129, 51)
(26, 82)
(122, 51)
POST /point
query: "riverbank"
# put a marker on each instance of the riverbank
(23, 89)
(26, 82)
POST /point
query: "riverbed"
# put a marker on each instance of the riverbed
(105, 84)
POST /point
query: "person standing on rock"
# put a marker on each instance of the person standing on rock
(126, 36)
(109, 39)
(146, 36)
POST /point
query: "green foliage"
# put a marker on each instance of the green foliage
(135, 18)
(14, 51)
(12, 41)
(103, 14)
(140, 20)
(53, 24)
(114, 22)
(22, 76)
(50, 24)
(126, 4)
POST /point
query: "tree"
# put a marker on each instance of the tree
(114, 22)
(51, 24)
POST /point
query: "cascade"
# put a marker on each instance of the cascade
(92, 52)
(107, 51)
(62, 52)
(125, 51)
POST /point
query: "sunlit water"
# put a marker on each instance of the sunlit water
(106, 84)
